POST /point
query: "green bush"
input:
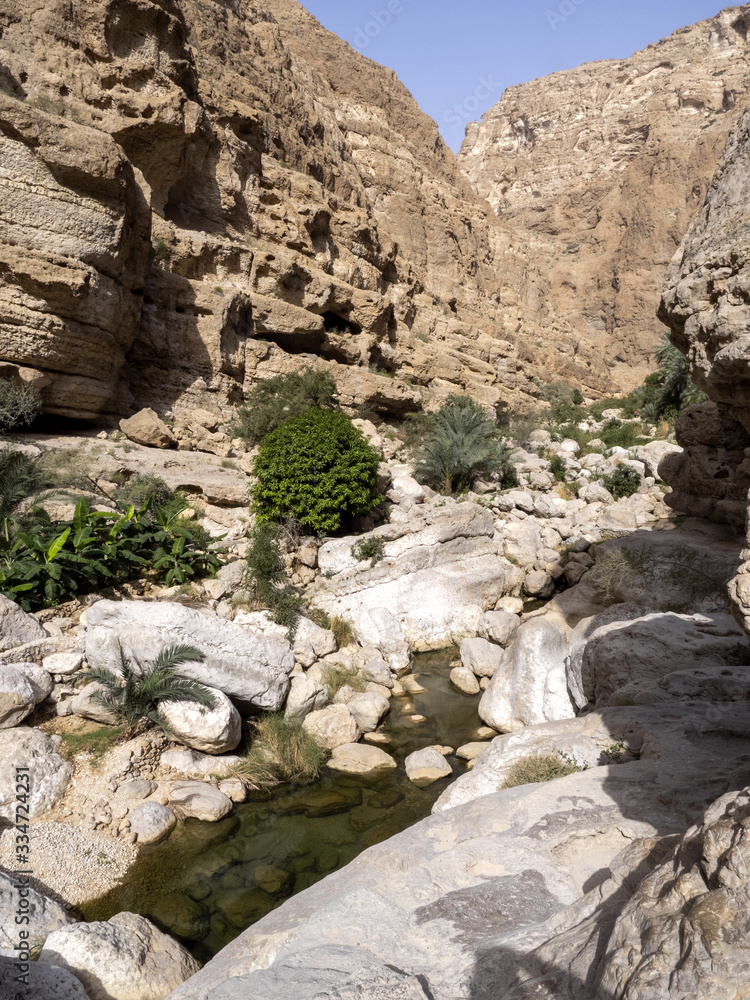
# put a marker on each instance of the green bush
(623, 482)
(372, 548)
(274, 401)
(318, 469)
(283, 750)
(461, 444)
(20, 405)
(45, 562)
(559, 468)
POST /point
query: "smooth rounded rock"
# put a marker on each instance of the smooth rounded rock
(305, 695)
(125, 958)
(424, 767)
(332, 726)
(210, 730)
(40, 680)
(465, 680)
(482, 658)
(88, 706)
(49, 774)
(199, 800)
(361, 758)
(368, 708)
(151, 822)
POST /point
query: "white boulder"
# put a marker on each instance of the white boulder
(125, 958)
(210, 730)
(530, 685)
(483, 658)
(332, 726)
(425, 767)
(248, 667)
(37, 914)
(361, 758)
(48, 773)
(152, 822)
(16, 627)
(305, 695)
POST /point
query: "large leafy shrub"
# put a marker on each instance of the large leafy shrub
(318, 469)
(19, 406)
(270, 403)
(462, 444)
(45, 562)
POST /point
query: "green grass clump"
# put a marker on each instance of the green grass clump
(283, 750)
(336, 677)
(538, 769)
(372, 548)
(146, 490)
(94, 742)
(559, 468)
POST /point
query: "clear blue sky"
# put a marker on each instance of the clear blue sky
(457, 56)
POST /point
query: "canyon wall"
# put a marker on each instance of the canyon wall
(598, 172)
(201, 193)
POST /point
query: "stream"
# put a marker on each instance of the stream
(210, 881)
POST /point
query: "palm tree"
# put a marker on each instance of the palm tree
(678, 390)
(136, 697)
(463, 445)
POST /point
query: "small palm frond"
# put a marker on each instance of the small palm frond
(103, 676)
(173, 656)
(181, 689)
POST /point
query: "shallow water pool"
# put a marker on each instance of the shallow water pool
(210, 881)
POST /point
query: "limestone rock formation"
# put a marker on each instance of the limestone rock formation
(599, 171)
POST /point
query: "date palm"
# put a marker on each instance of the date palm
(136, 697)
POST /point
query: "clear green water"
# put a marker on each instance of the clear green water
(210, 881)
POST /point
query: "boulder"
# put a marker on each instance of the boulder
(361, 758)
(210, 730)
(378, 672)
(332, 726)
(125, 958)
(16, 627)
(44, 982)
(539, 584)
(62, 663)
(378, 628)
(305, 695)
(40, 680)
(404, 489)
(152, 822)
(523, 543)
(530, 685)
(248, 667)
(465, 680)
(198, 800)
(147, 428)
(48, 773)
(20, 900)
(653, 453)
(88, 706)
(425, 767)
(311, 642)
(499, 626)
(480, 656)
(653, 646)
(17, 696)
(368, 709)
(594, 493)
(443, 569)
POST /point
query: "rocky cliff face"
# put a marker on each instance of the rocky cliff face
(706, 306)
(199, 193)
(599, 171)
